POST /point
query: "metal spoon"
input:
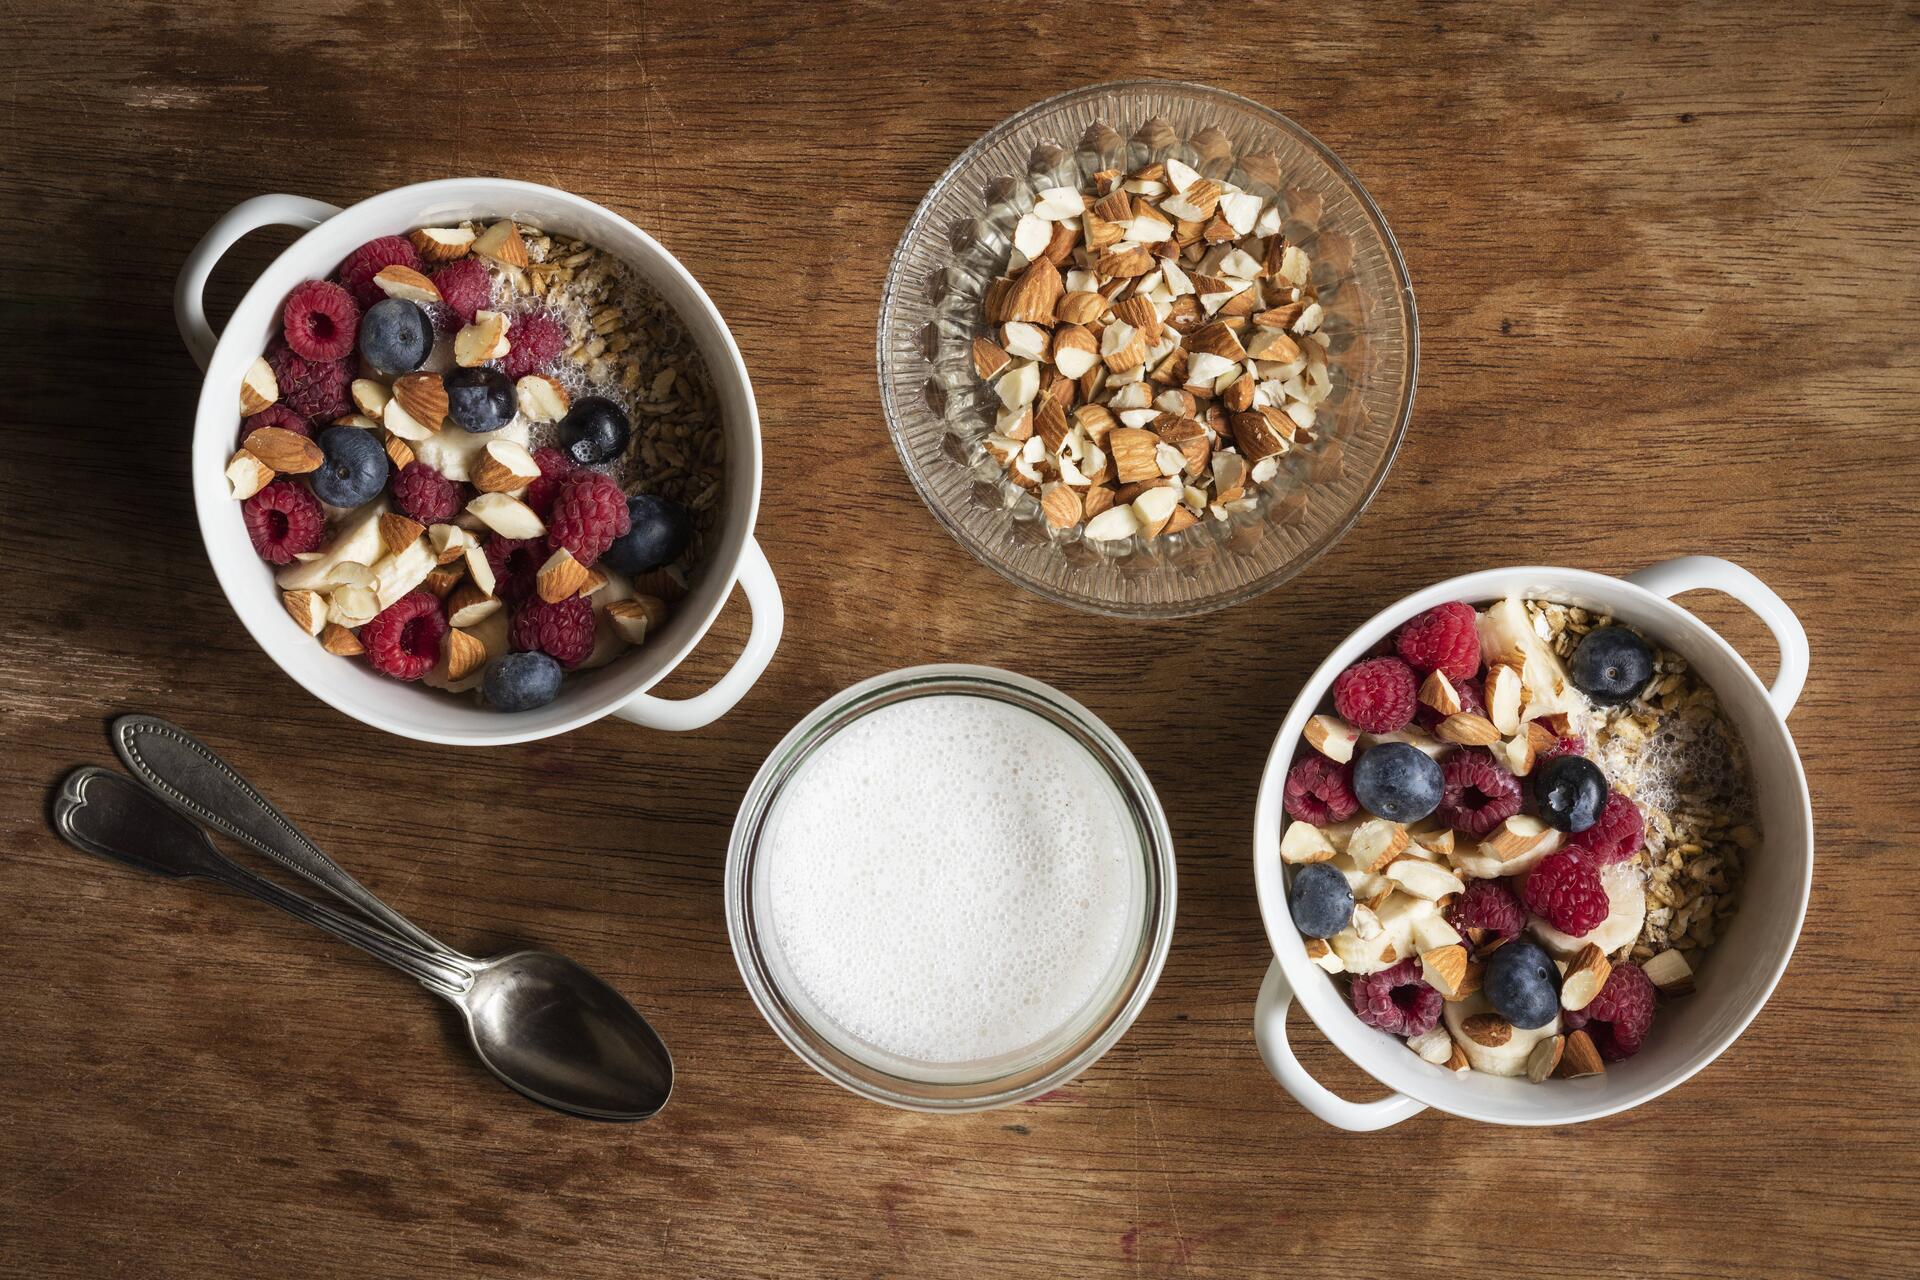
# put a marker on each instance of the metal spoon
(543, 1024)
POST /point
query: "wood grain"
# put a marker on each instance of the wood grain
(1665, 256)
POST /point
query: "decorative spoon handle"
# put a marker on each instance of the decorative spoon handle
(187, 774)
(112, 816)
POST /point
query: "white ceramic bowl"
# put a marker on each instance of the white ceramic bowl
(412, 710)
(1741, 969)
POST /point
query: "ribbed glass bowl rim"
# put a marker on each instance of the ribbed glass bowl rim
(895, 289)
(835, 714)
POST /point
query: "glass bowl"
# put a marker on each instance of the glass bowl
(939, 413)
(869, 1070)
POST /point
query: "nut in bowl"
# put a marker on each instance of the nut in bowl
(1147, 349)
(498, 452)
(1547, 837)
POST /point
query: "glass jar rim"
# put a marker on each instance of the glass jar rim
(1132, 788)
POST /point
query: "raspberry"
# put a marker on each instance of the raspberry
(1444, 638)
(1616, 837)
(1397, 1000)
(535, 340)
(1619, 1017)
(1320, 791)
(564, 631)
(317, 390)
(274, 415)
(364, 263)
(555, 467)
(516, 564)
(283, 520)
(425, 494)
(403, 640)
(320, 320)
(1565, 889)
(1473, 699)
(589, 512)
(1489, 905)
(464, 286)
(1376, 696)
(1479, 795)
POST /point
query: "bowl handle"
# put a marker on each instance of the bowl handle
(1270, 1033)
(189, 302)
(769, 617)
(1700, 573)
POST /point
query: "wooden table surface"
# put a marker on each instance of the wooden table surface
(1666, 264)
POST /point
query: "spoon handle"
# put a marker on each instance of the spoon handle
(187, 774)
(112, 816)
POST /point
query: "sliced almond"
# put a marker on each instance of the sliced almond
(1023, 340)
(397, 281)
(399, 452)
(990, 359)
(561, 577)
(1579, 1057)
(441, 244)
(1670, 973)
(370, 397)
(1055, 203)
(630, 620)
(1517, 754)
(1133, 450)
(1475, 975)
(1467, 730)
(1457, 1061)
(308, 609)
(449, 542)
(1424, 879)
(398, 532)
(287, 452)
(483, 340)
(503, 466)
(1376, 843)
(1124, 264)
(1272, 345)
(1217, 339)
(541, 398)
(442, 579)
(1138, 311)
(1259, 436)
(1061, 504)
(1154, 508)
(1437, 691)
(507, 516)
(1505, 693)
(1439, 843)
(1332, 737)
(1034, 293)
(468, 605)
(247, 475)
(1586, 973)
(1122, 347)
(480, 568)
(463, 652)
(1489, 1030)
(1445, 969)
(502, 243)
(1322, 954)
(1518, 836)
(1544, 1057)
(1075, 350)
(258, 387)
(336, 639)
(353, 606)
(1081, 307)
(1115, 524)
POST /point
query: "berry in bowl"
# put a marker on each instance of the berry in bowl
(1517, 823)
(497, 451)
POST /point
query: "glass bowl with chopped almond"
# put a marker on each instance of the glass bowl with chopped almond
(1147, 349)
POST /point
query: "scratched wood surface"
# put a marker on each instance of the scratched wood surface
(1667, 272)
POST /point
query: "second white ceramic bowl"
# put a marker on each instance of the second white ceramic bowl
(412, 710)
(1741, 970)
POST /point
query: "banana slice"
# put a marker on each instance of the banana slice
(1506, 634)
(357, 539)
(1627, 911)
(395, 575)
(1477, 862)
(453, 451)
(1508, 1058)
(1413, 736)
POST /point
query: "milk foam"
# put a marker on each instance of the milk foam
(951, 878)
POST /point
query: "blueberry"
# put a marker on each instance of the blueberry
(1321, 900)
(521, 681)
(1571, 792)
(661, 530)
(481, 399)
(1611, 665)
(1522, 984)
(355, 469)
(1398, 782)
(594, 431)
(395, 336)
